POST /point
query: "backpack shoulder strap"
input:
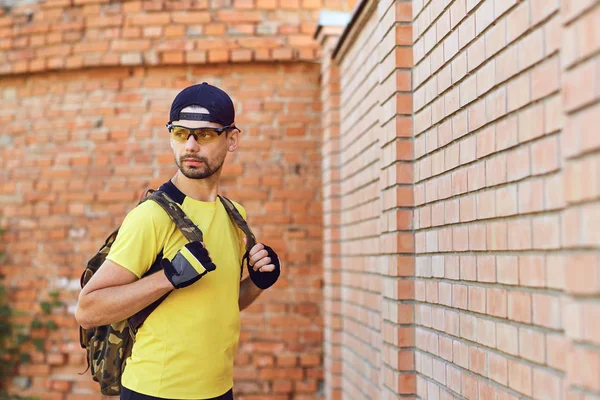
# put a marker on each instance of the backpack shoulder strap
(235, 215)
(187, 228)
(185, 225)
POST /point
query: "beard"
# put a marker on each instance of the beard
(197, 172)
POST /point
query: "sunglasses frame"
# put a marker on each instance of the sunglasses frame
(226, 128)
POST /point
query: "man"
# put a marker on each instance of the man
(185, 348)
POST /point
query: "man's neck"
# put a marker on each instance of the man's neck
(198, 189)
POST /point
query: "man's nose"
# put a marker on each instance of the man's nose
(191, 144)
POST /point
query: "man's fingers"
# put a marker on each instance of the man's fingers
(267, 268)
(257, 247)
(260, 263)
(258, 256)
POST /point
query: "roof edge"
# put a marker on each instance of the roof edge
(359, 10)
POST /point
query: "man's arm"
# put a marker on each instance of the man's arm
(115, 293)
(248, 293)
(259, 260)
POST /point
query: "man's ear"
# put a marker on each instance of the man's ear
(233, 139)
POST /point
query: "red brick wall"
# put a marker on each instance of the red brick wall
(97, 78)
(504, 99)
(71, 34)
(93, 140)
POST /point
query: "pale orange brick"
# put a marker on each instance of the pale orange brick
(520, 377)
(152, 18)
(532, 271)
(519, 306)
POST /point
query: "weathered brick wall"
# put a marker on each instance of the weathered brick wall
(93, 138)
(506, 280)
(97, 78)
(359, 207)
(580, 219)
(489, 191)
(71, 34)
(330, 153)
(78, 149)
(369, 244)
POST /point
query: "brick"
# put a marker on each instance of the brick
(496, 103)
(531, 49)
(531, 196)
(496, 170)
(484, 16)
(469, 386)
(546, 232)
(520, 377)
(486, 141)
(162, 18)
(546, 311)
(468, 268)
(506, 133)
(460, 353)
(496, 236)
(498, 368)
(585, 279)
(532, 345)
(545, 78)
(577, 87)
(486, 269)
(519, 306)
(518, 20)
(520, 234)
(459, 296)
(130, 45)
(478, 360)
(239, 16)
(496, 302)
(477, 299)
(546, 384)
(486, 335)
(466, 32)
(486, 206)
(518, 165)
(532, 271)
(544, 154)
(476, 53)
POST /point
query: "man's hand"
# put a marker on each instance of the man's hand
(190, 264)
(263, 266)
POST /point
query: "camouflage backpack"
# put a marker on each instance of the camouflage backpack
(109, 346)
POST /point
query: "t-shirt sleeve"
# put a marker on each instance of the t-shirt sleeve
(140, 238)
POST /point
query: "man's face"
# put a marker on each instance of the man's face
(202, 160)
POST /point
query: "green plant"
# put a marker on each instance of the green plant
(15, 337)
(8, 350)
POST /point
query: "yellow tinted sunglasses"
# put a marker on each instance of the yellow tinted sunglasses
(201, 135)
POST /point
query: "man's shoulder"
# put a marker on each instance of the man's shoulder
(148, 212)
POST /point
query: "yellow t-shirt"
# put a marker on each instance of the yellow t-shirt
(185, 349)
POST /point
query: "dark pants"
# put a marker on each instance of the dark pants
(127, 394)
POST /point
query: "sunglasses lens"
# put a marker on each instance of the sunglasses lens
(202, 135)
(180, 133)
(206, 135)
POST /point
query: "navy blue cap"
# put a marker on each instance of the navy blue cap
(215, 100)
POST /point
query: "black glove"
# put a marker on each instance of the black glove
(264, 280)
(190, 264)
